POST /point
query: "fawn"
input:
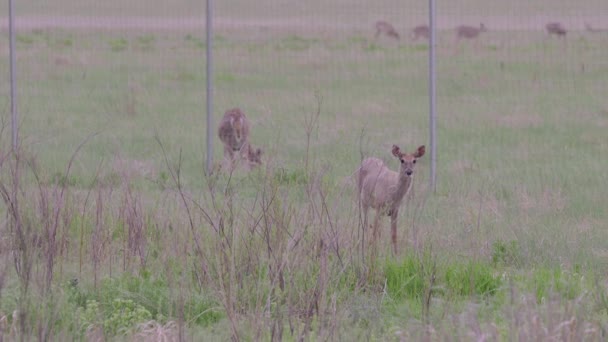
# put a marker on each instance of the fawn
(384, 189)
(382, 27)
(421, 31)
(556, 29)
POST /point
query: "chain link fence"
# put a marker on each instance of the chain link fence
(133, 70)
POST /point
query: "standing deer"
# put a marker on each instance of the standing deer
(421, 31)
(384, 189)
(469, 32)
(382, 27)
(556, 29)
(234, 133)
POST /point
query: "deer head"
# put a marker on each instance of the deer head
(255, 156)
(408, 161)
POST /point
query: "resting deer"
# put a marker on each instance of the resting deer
(556, 29)
(421, 31)
(384, 189)
(382, 27)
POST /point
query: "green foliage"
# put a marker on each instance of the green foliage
(24, 39)
(291, 177)
(122, 302)
(471, 278)
(121, 316)
(60, 179)
(404, 279)
(295, 43)
(124, 314)
(146, 42)
(546, 281)
(506, 253)
(118, 44)
(410, 278)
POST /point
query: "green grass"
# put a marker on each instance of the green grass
(515, 230)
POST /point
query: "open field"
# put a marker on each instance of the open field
(512, 245)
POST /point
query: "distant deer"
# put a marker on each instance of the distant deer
(590, 28)
(384, 189)
(234, 133)
(469, 32)
(421, 31)
(382, 27)
(556, 29)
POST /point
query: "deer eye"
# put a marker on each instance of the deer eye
(414, 161)
(402, 161)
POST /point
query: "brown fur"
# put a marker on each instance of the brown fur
(383, 189)
(254, 156)
(383, 27)
(469, 32)
(556, 29)
(233, 132)
(421, 31)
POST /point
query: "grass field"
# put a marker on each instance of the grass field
(136, 243)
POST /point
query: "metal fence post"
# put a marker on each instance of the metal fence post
(432, 95)
(14, 117)
(209, 75)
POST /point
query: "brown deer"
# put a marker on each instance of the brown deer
(469, 32)
(421, 31)
(383, 27)
(383, 189)
(234, 132)
(254, 157)
(556, 29)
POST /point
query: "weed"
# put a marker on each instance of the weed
(118, 44)
(471, 278)
(506, 253)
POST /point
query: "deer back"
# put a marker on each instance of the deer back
(376, 183)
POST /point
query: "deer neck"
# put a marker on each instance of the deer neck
(403, 185)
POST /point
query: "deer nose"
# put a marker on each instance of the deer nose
(409, 172)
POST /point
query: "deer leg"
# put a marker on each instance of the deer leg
(365, 222)
(377, 232)
(394, 214)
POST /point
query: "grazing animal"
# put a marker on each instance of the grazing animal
(382, 27)
(469, 32)
(556, 29)
(234, 133)
(383, 189)
(421, 31)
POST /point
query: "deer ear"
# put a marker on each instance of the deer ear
(420, 152)
(396, 151)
